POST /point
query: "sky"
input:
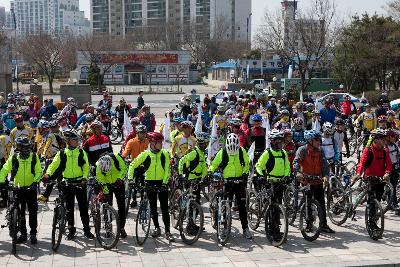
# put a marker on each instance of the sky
(345, 7)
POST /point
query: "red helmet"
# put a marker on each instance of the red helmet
(155, 137)
(18, 118)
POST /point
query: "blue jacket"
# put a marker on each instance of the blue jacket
(327, 115)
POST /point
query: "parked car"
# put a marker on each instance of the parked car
(259, 84)
(338, 99)
(220, 96)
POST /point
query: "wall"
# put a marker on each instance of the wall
(81, 93)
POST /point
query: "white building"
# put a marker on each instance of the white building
(51, 16)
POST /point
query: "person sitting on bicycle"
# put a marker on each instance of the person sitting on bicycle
(367, 121)
(394, 152)
(329, 145)
(74, 166)
(183, 142)
(156, 172)
(110, 173)
(104, 119)
(234, 164)
(178, 128)
(26, 170)
(340, 136)
(274, 165)
(256, 134)
(348, 108)
(234, 127)
(310, 161)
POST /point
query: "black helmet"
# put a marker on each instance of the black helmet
(70, 134)
(24, 146)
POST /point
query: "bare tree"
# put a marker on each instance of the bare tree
(44, 51)
(305, 42)
(393, 9)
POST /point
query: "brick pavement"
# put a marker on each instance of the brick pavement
(350, 246)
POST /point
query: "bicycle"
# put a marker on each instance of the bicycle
(59, 217)
(143, 217)
(341, 206)
(116, 133)
(187, 215)
(260, 205)
(13, 214)
(105, 218)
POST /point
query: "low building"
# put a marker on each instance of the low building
(5, 68)
(136, 67)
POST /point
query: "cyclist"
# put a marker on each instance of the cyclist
(274, 165)
(340, 137)
(256, 134)
(329, 145)
(394, 152)
(368, 121)
(25, 171)
(178, 128)
(5, 149)
(328, 113)
(147, 118)
(104, 119)
(74, 166)
(348, 108)
(298, 132)
(310, 161)
(97, 144)
(220, 118)
(41, 136)
(157, 173)
(120, 111)
(316, 124)
(309, 116)
(132, 134)
(234, 127)
(20, 129)
(8, 118)
(234, 164)
(183, 142)
(110, 173)
(284, 121)
(289, 146)
(391, 119)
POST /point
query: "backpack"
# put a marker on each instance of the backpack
(63, 160)
(60, 142)
(192, 165)
(371, 158)
(15, 165)
(271, 161)
(225, 159)
(147, 161)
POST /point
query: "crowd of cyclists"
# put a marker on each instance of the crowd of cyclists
(247, 143)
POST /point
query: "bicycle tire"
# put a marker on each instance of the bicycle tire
(283, 224)
(290, 200)
(115, 135)
(58, 223)
(14, 228)
(337, 203)
(375, 234)
(387, 197)
(316, 207)
(174, 206)
(109, 214)
(128, 196)
(224, 228)
(253, 211)
(143, 219)
(196, 208)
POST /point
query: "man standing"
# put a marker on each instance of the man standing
(140, 100)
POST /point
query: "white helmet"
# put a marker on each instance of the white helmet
(104, 163)
(232, 144)
(328, 128)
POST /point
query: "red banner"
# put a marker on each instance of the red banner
(139, 58)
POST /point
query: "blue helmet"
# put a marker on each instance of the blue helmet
(43, 124)
(256, 117)
(179, 120)
(311, 134)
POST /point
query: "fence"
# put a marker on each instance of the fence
(154, 89)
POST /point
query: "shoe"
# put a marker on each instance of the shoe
(327, 229)
(88, 235)
(123, 233)
(247, 234)
(133, 204)
(71, 233)
(22, 239)
(42, 198)
(156, 233)
(169, 237)
(33, 239)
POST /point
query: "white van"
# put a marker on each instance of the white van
(259, 84)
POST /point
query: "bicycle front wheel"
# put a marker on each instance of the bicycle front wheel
(387, 197)
(253, 211)
(14, 228)
(290, 200)
(191, 223)
(58, 227)
(374, 219)
(107, 226)
(276, 224)
(310, 220)
(128, 196)
(224, 223)
(338, 206)
(143, 221)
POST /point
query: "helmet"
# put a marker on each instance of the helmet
(235, 121)
(275, 134)
(71, 134)
(179, 120)
(18, 118)
(187, 124)
(155, 137)
(146, 107)
(382, 118)
(10, 106)
(285, 112)
(287, 132)
(102, 108)
(43, 124)
(232, 144)
(95, 124)
(311, 135)
(272, 99)
(23, 145)
(70, 100)
(202, 137)
(316, 112)
(89, 117)
(256, 117)
(141, 128)
(378, 133)
(309, 106)
(105, 163)
(53, 124)
(221, 108)
(328, 128)
(33, 120)
(391, 113)
(10, 95)
(298, 122)
(339, 121)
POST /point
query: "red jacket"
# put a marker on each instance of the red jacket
(291, 151)
(378, 166)
(346, 107)
(95, 146)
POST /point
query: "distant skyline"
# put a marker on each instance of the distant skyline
(346, 8)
